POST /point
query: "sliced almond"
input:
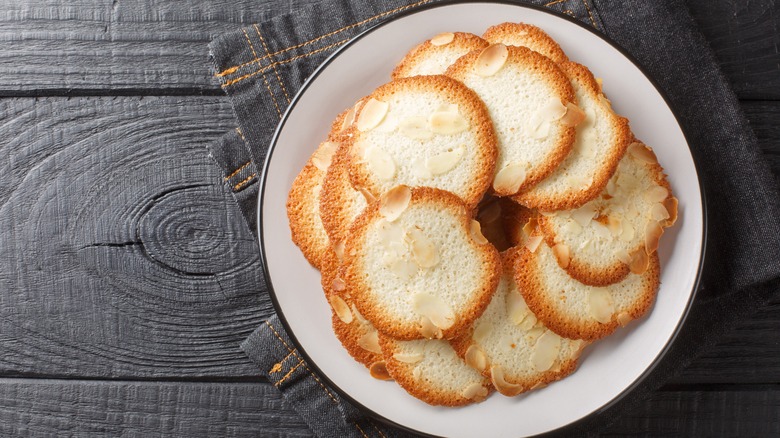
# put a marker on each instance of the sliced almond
(574, 115)
(658, 212)
(623, 319)
(533, 243)
(390, 233)
(476, 233)
(447, 123)
(539, 130)
(530, 226)
(434, 309)
(585, 214)
(370, 342)
(516, 308)
(324, 155)
(627, 234)
(529, 322)
(380, 163)
(395, 202)
(502, 386)
(338, 284)
(653, 234)
(358, 316)
(671, 205)
(428, 329)
(443, 39)
(572, 227)
(338, 249)
(341, 308)
(553, 110)
(601, 306)
(615, 225)
(369, 197)
(579, 182)
(403, 269)
(475, 358)
(415, 127)
(657, 194)
(611, 188)
(389, 124)
(509, 179)
(349, 118)
(424, 250)
(639, 262)
(546, 351)
(411, 358)
(417, 373)
(490, 61)
(642, 153)
(481, 332)
(445, 161)
(475, 392)
(533, 334)
(372, 114)
(623, 256)
(420, 169)
(378, 370)
(562, 254)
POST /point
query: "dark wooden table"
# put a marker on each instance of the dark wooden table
(128, 278)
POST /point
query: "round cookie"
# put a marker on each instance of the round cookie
(432, 57)
(614, 234)
(431, 371)
(355, 333)
(525, 35)
(509, 345)
(417, 265)
(601, 140)
(527, 96)
(423, 131)
(575, 310)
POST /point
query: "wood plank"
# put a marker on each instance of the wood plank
(123, 253)
(160, 47)
(40, 407)
(159, 278)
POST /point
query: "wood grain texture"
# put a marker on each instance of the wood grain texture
(121, 253)
(160, 47)
(40, 407)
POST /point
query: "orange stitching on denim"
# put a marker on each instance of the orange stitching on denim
(554, 3)
(240, 134)
(361, 430)
(289, 373)
(276, 72)
(590, 14)
(278, 336)
(244, 182)
(267, 86)
(233, 81)
(230, 70)
(235, 172)
(278, 366)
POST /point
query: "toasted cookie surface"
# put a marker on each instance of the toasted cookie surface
(612, 235)
(575, 310)
(601, 140)
(340, 203)
(423, 131)
(527, 96)
(303, 203)
(525, 35)
(432, 372)
(417, 265)
(510, 345)
(433, 56)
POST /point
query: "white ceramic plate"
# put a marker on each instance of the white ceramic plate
(608, 368)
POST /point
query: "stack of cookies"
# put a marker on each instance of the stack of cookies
(481, 218)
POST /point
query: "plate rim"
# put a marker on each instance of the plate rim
(443, 4)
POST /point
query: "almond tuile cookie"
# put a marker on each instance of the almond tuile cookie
(430, 371)
(423, 131)
(614, 234)
(511, 346)
(575, 310)
(527, 96)
(418, 266)
(525, 35)
(600, 142)
(432, 57)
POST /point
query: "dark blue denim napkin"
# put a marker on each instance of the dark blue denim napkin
(262, 66)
